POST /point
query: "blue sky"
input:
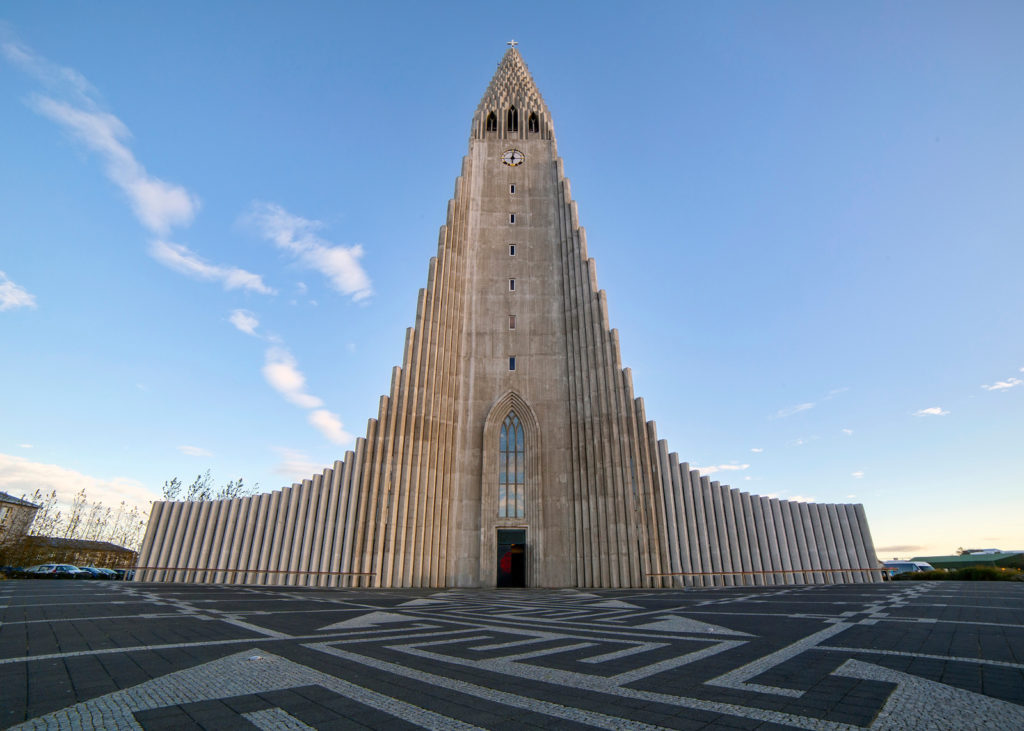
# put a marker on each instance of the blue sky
(214, 220)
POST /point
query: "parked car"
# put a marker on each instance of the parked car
(125, 574)
(111, 574)
(95, 573)
(55, 571)
(902, 567)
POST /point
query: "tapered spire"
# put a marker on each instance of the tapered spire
(512, 107)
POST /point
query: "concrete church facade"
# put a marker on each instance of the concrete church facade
(511, 449)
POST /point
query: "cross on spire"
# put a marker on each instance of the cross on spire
(512, 44)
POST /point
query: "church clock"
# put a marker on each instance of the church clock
(512, 157)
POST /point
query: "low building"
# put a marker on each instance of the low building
(988, 557)
(16, 516)
(75, 551)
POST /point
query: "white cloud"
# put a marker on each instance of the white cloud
(340, 264)
(25, 446)
(21, 476)
(800, 499)
(158, 205)
(180, 259)
(858, 474)
(13, 296)
(244, 321)
(194, 451)
(933, 411)
(282, 372)
(1010, 382)
(847, 432)
(782, 413)
(60, 78)
(330, 426)
(835, 392)
(720, 468)
(296, 465)
(758, 450)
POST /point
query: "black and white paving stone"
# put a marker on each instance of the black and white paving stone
(901, 655)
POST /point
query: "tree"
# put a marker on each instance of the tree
(172, 488)
(48, 517)
(74, 525)
(200, 488)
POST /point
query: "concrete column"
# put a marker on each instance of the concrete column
(157, 517)
(743, 537)
(281, 500)
(692, 538)
(831, 546)
(173, 511)
(671, 515)
(753, 548)
(307, 515)
(292, 546)
(730, 546)
(226, 535)
(179, 542)
(861, 557)
(775, 557)
(248, 554)
(869, 544)
(318, 545)
(681, 538)
(810, 542)
(839, 541)
(853, 577)
(712, 518)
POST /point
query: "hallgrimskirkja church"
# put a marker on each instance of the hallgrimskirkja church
(511, 449)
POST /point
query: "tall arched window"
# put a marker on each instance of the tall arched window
(511, 469)
(492, 123)
(533, 125)
(513, 120)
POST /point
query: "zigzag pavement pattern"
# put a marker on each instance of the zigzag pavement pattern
(896, 656)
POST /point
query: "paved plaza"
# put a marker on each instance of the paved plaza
(901, 655)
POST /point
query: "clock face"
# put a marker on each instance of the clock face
(512, 157)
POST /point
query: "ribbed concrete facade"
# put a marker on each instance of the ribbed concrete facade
(511, 329)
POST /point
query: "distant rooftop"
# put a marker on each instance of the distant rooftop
(6, 498)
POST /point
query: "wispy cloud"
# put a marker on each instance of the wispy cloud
(933, 411)
(330, 426)
(157, 204)
(296, 465)
(22, 476)
(783, 413)
(711, 469)
(13, 296)
(858, 474)
(1009, 383)
(58, 78)
(282, 372)
(800, 499)
(757, 450)
(25, 446)
(180, 259)
(847, 432)
(194, 451)
(74, 104)
(296, 235)
(244, 321)
(835, 392)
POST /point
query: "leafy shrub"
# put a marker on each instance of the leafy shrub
(968, 573)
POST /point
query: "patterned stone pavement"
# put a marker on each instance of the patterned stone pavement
(901, 655)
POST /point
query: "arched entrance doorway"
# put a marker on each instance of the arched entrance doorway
(511, 569)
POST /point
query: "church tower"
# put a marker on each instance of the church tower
(511, 450)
